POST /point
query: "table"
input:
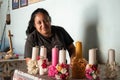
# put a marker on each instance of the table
(7, 67)
(22, 75)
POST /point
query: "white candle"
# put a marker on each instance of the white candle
(92, 56)
(111, 56)
(62, 56)
(41, 71)
(35, 51)
(43, 52)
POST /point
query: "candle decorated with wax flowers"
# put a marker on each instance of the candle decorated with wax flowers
(42, 62)
(91, 70)
(78, 63)
(43, 66)
(62, 56)
(112, 68)
(92, 56)
(43, 52)
(111, 56)
(55, 56)
(35, 51)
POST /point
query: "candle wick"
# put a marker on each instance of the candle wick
(63, 49)
(56, 46)
(42, 46)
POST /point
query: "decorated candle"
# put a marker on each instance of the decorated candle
(42, 64)
(92, 56)
(55, 56)
(78, 63)
(43, 52)
(35, 51)
(111, 56)
(62, 56)
(78, 49)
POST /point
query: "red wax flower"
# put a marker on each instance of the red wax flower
(94, 67)
(63, 76)
(44, 65)
(64, 66)
(38, 57)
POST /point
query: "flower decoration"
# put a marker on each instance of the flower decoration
(16, 55)
(111, 70)
(43, 65)
(60, 71)
(32, 67)
(92, 72)
(52, 71)
(38, 57)
(39, 65)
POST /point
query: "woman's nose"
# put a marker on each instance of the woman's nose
(43, 24)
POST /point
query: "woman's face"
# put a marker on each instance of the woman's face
(42, 24)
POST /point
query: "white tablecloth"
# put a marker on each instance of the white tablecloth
(22, 75)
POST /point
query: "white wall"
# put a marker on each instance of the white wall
(93, 22)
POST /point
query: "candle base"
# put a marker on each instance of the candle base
(92, 72)
(78, 68)
(111, 70)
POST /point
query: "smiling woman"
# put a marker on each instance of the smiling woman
(40, 32)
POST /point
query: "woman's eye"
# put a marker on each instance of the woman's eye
(39, 22)
(46, 20)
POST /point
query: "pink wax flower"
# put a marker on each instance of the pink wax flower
(52, 71)
(88, 73)
(16, 55)
(92, 72)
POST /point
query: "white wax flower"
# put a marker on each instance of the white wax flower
(63, 71)
(32, 67)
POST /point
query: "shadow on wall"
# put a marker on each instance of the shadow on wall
(91, 39)
(91, 35)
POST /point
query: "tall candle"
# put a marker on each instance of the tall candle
(78, 49)
(111, 56)
(92, 56)
(35, 51)
(43, 52)
(62, 56)
(55, 56)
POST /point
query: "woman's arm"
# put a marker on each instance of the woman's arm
(71, 50)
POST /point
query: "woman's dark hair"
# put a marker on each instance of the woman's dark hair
(31, 27)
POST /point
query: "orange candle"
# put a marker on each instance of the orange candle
(78, 49)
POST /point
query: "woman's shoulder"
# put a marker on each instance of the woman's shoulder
(32, 35)
(58, 28)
